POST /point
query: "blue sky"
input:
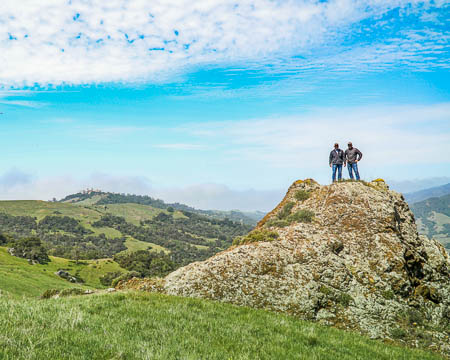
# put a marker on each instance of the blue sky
(219, 104)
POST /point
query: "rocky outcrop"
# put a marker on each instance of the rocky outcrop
(66, 276)
(346, 254)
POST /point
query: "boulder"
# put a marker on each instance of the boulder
(346, 254)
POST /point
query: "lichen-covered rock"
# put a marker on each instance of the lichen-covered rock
(358, 263)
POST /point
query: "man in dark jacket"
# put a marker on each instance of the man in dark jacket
(336, 160)
(352, 156)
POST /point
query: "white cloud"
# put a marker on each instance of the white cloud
(77, 42)
(180, 146)
(387, 135)
(16, 184)
(221, 197)
(13, 97)
(407, 186)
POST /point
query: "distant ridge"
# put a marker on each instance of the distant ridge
(435, 191)
(99, 197)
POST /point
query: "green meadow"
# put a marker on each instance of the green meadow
(18, 278)
(154, 326)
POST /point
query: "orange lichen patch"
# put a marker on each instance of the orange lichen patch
(306, 181)
(378, 180)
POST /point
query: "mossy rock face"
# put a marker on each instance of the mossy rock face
(427, 292)
(349, 255)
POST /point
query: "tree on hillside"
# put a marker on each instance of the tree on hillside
(30, 248)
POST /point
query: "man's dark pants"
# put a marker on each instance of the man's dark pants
(337, 167)
(353, 167)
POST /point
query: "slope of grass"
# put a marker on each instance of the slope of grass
(154, 326)
(19, 278)
(87, 214)
(132, 213)
(135, 245)
(41, 209)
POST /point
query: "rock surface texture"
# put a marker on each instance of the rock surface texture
(346, 254)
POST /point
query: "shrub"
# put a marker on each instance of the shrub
(286, 210)
(398, 333)
(388, 294)
(125, 277)
(301, 216)
(277, 223)
(146, 263)
(414, 317)
(344, 299)
(301, 195)
(305, 216)
(325, 290)
(259, 235)
(71, 292)
(30, 248)
(47, 294)
(108, 278)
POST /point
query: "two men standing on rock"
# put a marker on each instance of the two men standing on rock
(351, 156)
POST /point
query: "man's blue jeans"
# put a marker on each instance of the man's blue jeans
(353, 167)
(337, 167)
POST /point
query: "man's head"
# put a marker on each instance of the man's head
(336, 146)
(350, 145)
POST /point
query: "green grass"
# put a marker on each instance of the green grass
(19, 278)
(40, 209)
(133, 213)
(154, 326)
(134, 245)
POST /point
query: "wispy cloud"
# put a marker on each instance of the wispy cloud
(180, 146)
(16, 184)
(78, 42)
(14, 97)
(105, 133)
(390, 135)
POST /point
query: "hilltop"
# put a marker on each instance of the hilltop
(346, 254)
(98, 197)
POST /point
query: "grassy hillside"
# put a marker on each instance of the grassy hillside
(73, 229)
(18, 278)
(105, 198)
(154, 326)
(433, 218)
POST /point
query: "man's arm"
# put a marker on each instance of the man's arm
(345, 157)
(331, 158)
(359, 153)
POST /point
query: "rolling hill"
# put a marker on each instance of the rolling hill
(420, 195)
(433, 218)
(138, 232)
(18, 278)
